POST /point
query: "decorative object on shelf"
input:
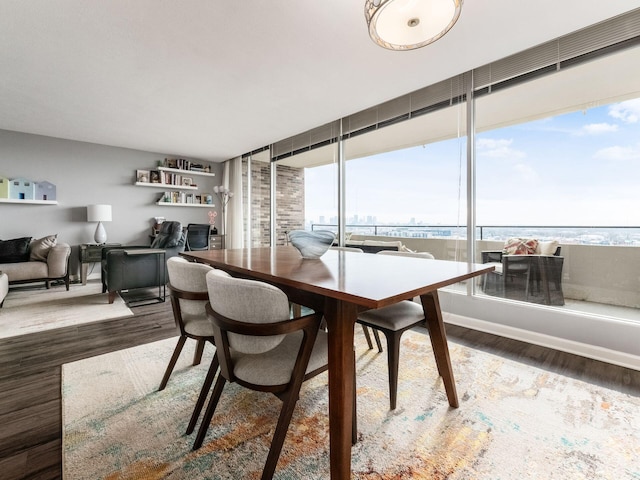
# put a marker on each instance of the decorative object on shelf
(99, 213)
(158, 221)
(22, 189)
(312, 245)
(142, 176)
(212, 221)
(45, 191)
(224, 195)
(410, 24)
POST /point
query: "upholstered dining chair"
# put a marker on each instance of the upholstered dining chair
(189, 295)
(393, 321)
(365, 330)
(261, 348)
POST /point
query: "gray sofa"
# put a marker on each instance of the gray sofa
(27, 260)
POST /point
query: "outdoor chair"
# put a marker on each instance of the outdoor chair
(393, 321)
(189, 295)
(517, 273)
(259, 347)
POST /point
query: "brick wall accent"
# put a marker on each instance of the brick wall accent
(289, 201)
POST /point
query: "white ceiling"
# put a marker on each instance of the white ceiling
(213, 79)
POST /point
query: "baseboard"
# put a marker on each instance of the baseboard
(589, 351)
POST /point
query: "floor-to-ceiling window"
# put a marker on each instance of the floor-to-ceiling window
(558, 159)
(555, 156)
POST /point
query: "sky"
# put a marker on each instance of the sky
(580, 168)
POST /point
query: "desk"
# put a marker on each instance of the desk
(342, 284)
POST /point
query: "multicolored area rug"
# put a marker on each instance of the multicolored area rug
(515, 421)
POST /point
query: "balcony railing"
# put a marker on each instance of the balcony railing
(569, 235)
(601, 263)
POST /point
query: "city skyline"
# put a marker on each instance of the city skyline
(579, 168)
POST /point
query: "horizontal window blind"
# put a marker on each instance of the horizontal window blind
(584, 45)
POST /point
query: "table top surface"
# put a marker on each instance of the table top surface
(369, 280)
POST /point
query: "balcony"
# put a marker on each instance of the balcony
(598, 278)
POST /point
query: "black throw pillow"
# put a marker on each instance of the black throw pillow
(14, 251)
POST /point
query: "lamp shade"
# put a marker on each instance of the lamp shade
(410, 24)
(99, 213)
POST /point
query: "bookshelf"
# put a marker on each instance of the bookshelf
(178, 178)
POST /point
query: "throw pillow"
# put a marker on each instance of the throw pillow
(520, 246)
(15, 250)
(39, 249)
(547, 248)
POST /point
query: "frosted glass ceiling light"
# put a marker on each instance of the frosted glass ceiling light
(410, 24)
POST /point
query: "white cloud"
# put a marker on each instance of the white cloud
(526, 173)
(618, 153)
(599, 128)
(628, 112)
(500, 148)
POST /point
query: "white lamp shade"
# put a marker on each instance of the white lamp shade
(99, 213)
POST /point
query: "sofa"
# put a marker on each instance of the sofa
(28, 260)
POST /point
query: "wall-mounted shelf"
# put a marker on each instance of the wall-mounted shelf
(185, 172)
(164, 186)
(30, 202)
(170, 204)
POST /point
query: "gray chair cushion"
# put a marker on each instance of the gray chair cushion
(394, 317)
(190, 277)
(268, 304)
(276, 366)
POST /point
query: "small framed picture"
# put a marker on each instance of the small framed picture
(154, 176)
(142, 176)
(198, 199)
(187, 182)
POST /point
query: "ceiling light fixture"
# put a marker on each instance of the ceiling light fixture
(410, 24)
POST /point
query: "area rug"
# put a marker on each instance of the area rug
(515, 421)
(31, 310)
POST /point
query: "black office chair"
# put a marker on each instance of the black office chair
(197, 236)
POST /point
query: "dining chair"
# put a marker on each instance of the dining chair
(261, 348)
(393, 321)
(365, 329)
(189, 295)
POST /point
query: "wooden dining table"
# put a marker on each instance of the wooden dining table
(341, 284)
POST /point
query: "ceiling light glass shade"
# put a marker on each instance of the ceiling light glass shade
(410, 24)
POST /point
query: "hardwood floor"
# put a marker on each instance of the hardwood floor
(30, 379)
(30, 375)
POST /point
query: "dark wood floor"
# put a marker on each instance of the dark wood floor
(30, 376)
(30, 379)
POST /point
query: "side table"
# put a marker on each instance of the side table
(216, 242)
(91, 253)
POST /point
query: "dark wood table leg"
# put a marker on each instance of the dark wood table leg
(341, 317)
(438, 336)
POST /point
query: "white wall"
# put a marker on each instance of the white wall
(85, 174)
